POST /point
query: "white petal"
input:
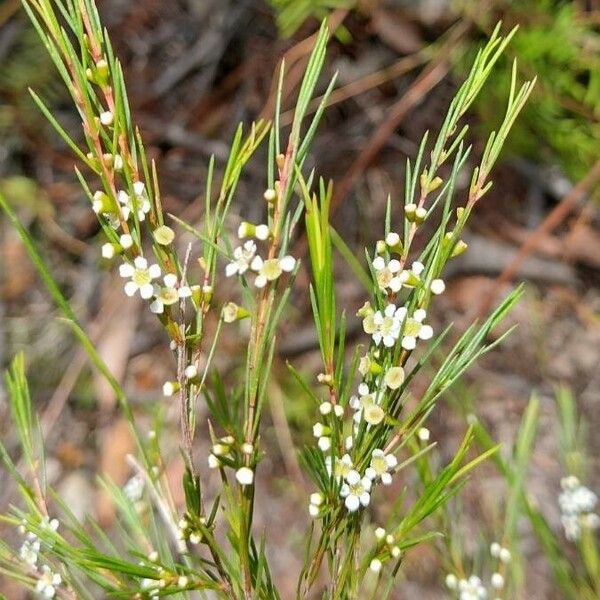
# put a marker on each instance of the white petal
(426, 332)
(363, 389)
(371, 473)
(231, 269)
(131, 288)
(287, 263)
(390, 310)
(352, 503)
(365, 498)
(157, 307)
(154, 271)
(353, 477)
(401, 313)
(260, 281)
(138, 187)
(147, 291)
(377, 338)
(170, 280)
(409, 342)
(344, 490)
(388, 341)
(126, 270)
(184, 291)
(419, 315)
(257, 263)
(391, 461)
(140, 262)
(386, 479)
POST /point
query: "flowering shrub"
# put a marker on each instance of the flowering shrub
(369, 426)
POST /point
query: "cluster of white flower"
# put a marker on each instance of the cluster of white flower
(221, 455)
(47, 580)
(395, 323)
(467, 589)
(577, 504)
(246, 257)
(473, 588)
(186, 532)
(386, 542)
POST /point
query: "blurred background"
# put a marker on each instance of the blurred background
(195, 68)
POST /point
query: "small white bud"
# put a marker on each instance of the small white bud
(270, 195)
(451, 581)
(495, 549)
(392, 239)
(380, 533)
(396, 552)
(325, 408)
(126, 241)
(153, 556)
(195, 538)
(497, 581)
(107, 118)
(316, 498)
(375, 565)
(170, 388)
(182, 581)
(118, 162)
(423, 434)
(191, 372)
(245, 476)
(247, 448)
(338, 410)
(438, 286)
(108, 251)
(324, 444)
(505, 555)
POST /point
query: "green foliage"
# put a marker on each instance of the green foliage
(212, 546)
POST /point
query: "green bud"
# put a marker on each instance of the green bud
(164, 235)
(365, 310)
(459, 248)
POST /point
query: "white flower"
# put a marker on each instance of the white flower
(48, 582)
(139, 203)
(271, 269)
(384, 326)
(387, 274)
(245, 476)
(213, 462)
(342, 467)
(242, 257)
(577, 504)
(29, 551)
(356, 491)
(170, 293)
(471, 589)
(375, 565)
(413, 328)
(380, 466)
(141, 276)
(437, 286)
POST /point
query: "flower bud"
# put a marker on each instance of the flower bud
(270, 195)
(163, 235)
